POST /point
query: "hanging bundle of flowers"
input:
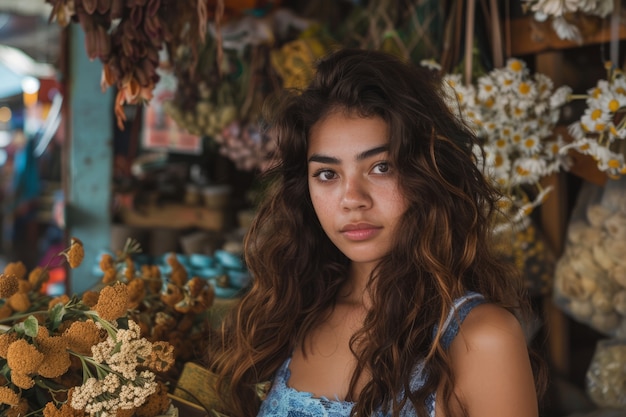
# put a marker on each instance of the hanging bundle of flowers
(601, 130)
(513, 112)
(560, 12)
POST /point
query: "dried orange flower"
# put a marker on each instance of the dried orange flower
(22, 380)
(106, 262)
(156, 404)
(24, 286)
(161, 357)
(76, 253)
(136, 292)
(5, 311)
(82, 335)
(9, 285)
(19, 410)
(5, 340)
(19, 302)
(61, 299)
(38, 276)
(129, 272)
(56, 357)
(124, 412)
(8, 396)
(51, 411)
(110, 275)
(90, 298)
(113, 302)
(16, 268)
(22, 357)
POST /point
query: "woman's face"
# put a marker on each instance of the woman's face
(354, 186)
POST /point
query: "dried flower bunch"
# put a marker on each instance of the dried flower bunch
(79, 356)
(127, 35)
(559, 10)
(514, 114)
(601, 130)
(590, 276)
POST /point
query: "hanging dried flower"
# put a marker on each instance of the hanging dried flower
(513, 113)
(75, 253)
(601, 130)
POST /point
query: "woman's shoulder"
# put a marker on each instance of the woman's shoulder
(489, 325)
(489, 358)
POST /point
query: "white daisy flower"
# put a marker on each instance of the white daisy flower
(531, 145)
(430, 64)
(486, 88)
(528, 170)
(516, 67)
(560, 96)
(594, 120)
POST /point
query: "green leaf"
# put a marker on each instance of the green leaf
(31, 325)
(56, 315)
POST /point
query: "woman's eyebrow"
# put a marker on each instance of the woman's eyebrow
(323, 159)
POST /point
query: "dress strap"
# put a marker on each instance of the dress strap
(458, 312)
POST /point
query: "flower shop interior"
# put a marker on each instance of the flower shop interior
(131, 147)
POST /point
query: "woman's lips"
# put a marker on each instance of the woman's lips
(359, 232)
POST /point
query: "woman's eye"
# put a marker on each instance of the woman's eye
(325, 175)
(381, 168)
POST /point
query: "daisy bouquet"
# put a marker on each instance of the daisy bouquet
(513, 113)
(601, 130)
(79, 356)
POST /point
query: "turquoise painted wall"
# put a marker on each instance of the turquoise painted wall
(90, 153)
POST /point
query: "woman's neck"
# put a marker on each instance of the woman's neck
(354, 291)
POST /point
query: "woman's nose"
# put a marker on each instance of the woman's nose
(355, 195)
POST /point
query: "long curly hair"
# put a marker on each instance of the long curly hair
(442, 252)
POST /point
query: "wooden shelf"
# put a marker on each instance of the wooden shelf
(176, 216)
(532, 37)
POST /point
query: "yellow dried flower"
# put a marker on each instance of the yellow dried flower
(22, 380)
(5, 340)
(22, 357)
(38, 276)
(8, 396)
(82, 335)
(19, 302)
(76, 253)
(61, 299)
(9, 285)
(90, 298)
(113, 302)
(20, 410)
(16, 268)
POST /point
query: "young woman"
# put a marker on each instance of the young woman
(375, 291)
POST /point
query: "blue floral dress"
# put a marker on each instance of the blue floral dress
(284, 401)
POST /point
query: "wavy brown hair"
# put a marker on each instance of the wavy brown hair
(442, 252)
